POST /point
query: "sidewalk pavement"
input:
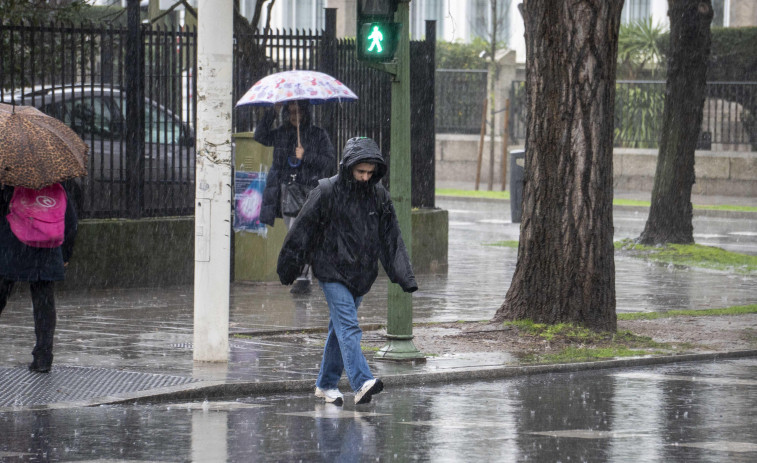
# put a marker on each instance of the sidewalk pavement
(125, 345)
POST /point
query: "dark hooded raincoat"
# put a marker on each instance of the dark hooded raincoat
(319, 160)
(356, 228)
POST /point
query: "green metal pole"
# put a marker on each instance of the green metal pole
(399, 328)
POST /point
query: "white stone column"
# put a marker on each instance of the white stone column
(213, 181)
(346, 16)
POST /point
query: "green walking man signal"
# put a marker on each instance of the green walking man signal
(376, 38)
(377, 41)
(377, 33)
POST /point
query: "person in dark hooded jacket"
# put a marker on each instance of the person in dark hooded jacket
(41, 267)
(302, 158)
(345, 227)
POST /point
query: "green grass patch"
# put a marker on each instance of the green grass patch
(549, 332)
(735, 310)
(580, 354)
(725, 207)
(691, 255)
(576, 333)
(505, 243)
(616, 202)
(574, 343)
(473, 193)
(631, 202)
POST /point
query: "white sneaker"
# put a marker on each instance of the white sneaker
(370, 387)
(332, 396)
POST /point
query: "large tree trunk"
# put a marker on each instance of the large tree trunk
(566, 268)
(670, 214)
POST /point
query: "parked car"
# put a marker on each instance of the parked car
(98, 115)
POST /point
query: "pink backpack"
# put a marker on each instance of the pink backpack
(37, 217)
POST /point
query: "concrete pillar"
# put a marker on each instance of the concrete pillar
(347, 15)
(507, 73)
(213, 179)
(742, 14)
(508, 70)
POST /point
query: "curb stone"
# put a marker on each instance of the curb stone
(204, 391)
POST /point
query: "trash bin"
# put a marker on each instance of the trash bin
(517, 172)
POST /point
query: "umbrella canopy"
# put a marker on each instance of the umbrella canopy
(37, 150)
(316, 87)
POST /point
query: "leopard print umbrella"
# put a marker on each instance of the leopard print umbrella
(37, 150)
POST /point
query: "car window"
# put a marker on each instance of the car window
(160, 127)
(86, 116)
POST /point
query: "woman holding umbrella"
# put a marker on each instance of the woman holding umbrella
(41, 267)
(302, 154)
(38, 151)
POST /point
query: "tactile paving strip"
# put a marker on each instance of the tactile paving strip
(21, 388)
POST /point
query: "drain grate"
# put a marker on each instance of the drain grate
(21, 388)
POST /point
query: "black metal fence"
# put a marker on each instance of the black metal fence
(729, 116)
(460, 98)
(80, 75)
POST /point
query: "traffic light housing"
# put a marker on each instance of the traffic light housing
(377, 33)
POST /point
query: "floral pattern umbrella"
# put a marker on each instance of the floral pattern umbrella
(316, 87)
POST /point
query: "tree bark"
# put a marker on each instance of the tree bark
(566, 269)
(670, 214)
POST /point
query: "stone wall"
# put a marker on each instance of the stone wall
(124, 253)
(728, 173)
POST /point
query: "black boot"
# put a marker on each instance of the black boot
(45, 319)
(42, 363)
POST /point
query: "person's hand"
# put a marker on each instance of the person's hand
(299, 152)
(65, 264)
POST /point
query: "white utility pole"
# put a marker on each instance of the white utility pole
(213, 181)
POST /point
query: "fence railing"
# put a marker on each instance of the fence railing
(459, 97)
(79, 74)
(729, 120)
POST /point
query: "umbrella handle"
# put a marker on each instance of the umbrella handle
(297, 113)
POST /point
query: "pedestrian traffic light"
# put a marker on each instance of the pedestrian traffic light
(377, 33)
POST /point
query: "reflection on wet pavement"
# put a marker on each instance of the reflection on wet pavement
(150, 329)
(675, 413)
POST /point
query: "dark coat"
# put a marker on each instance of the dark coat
(357, 228)
(19, 262)
(319, 160)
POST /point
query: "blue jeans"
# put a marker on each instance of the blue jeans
(342, 351)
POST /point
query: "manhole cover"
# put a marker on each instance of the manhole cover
(20, 388)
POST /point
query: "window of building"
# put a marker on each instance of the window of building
(720, 10)
(422, 10)
(480, 11)
(303, 14)
(479, 17)
(635, 10)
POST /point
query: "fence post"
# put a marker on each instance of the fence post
(327, 65)
(505, 133)
(135, 139)
(481, 143)
(422, 120)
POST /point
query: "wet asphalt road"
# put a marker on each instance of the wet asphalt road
(689, 412)
(697, 412)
